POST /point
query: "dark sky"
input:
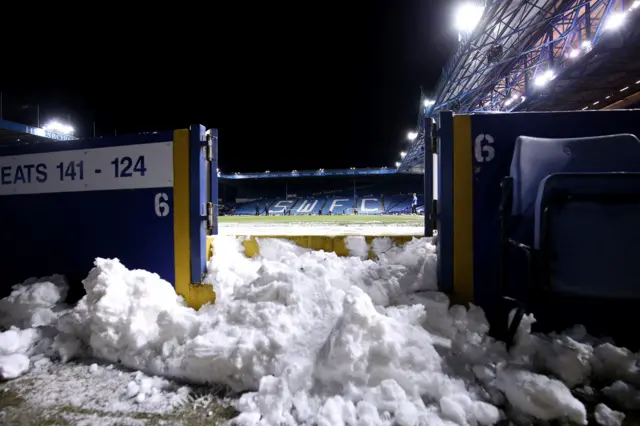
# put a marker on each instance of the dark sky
(317, 85)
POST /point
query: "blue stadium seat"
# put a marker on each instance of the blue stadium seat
(278, 207)
(308, 206)
(401, 204)
(340, 205)
(244, 209)
(570, 214)
(600, 262)
(395, 203)
(369, 205)
(249, 208)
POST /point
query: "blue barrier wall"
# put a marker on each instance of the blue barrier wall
(140, 198)
(475, 154)
(82, 199)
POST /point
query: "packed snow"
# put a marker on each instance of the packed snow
(307, 337)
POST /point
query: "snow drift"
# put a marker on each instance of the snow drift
(313, 338)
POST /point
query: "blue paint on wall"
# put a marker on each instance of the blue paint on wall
(64, 232)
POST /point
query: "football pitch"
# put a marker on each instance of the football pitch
(410, 220)
(322, 225)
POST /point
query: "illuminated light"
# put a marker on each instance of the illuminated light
(545, 78)
(508, 102)
(624, 88)
(596, 102)
(540, 81)
(586, 44)
(428, 102)
(608, 97)
(467, 17)
(57, 127)
(412, 135)
(585, 108)
(574, 54)
(397, 164)
(615, 21)
(635, 5)
(403, 154)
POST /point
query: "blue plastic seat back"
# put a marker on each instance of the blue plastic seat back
(594, 246)
(536, 158)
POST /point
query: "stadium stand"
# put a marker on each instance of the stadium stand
(380, 195)
(340, 204)
(308, 206)
(335, 205)
(401, 203)
(369, 205)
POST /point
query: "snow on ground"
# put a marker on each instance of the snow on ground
(94, 394)
(319, 228)
(306, 337)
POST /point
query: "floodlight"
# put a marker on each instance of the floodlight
(615, 21)
(543, 79)
(467, 17)
(58, 127)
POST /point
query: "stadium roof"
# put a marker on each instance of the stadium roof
(518, 44)
(12, 133)
(606, 75)
(310, 173)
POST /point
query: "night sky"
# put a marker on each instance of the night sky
(317, 85)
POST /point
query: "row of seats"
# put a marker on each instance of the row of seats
(570, 232)
(337, 204)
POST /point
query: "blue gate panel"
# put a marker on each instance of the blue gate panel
(64, 204)
(445, 202)
(214, 175)
(428, 178)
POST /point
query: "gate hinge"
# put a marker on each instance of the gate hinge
(209, 147)
(434, 138)
(210, 216)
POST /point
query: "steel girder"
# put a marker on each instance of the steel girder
(535, 36)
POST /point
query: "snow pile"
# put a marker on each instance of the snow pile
(319, 339)
(155, 391)
(34, 303)
(605, 416)
(313, 335)
(540, 396)
(26, 312)
(15, 346)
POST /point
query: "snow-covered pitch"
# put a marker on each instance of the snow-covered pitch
(370, 225)
(307, 337)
